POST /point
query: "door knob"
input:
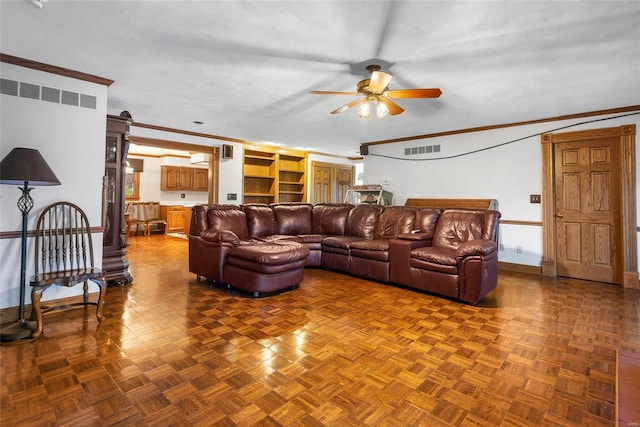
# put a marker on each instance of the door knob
(559, 215)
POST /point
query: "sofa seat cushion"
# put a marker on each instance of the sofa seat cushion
(311, 238)
(271, 254)
(342, 242)
(263, 268)
(281, 237)
(377, 249)
(435, 255)
(433, 267)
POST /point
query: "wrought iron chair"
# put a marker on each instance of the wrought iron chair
(64, 257)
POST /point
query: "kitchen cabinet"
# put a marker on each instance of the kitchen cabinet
(181, 178)
(200, 179)
(174, 215)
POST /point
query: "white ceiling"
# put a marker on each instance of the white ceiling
(245, 68)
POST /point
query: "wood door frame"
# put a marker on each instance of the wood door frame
(628, 260)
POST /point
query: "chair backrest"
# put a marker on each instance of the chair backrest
(135, 211)
(151, 210)
(63, 240)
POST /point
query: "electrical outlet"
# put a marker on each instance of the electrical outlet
(534, 198)
(518, 249)
(501, 247)
(182, 195)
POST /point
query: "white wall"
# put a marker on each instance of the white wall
(72, 141)
(509, 173)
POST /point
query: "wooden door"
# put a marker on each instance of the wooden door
(322, 184)
(588, 203)
(344, 180)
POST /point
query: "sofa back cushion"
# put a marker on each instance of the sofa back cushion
(456, 226)
(229, 219)
(293, 218)
(362, 221)
(261, 220)
(395, 220)
(330, 218)
(427, 219)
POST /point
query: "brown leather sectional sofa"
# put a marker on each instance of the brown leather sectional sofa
(264, 248)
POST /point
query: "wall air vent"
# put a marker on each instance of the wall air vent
(48, 94)
(426, 149)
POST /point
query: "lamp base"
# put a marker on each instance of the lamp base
(17, 331)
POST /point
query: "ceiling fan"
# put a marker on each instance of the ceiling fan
(375, 91)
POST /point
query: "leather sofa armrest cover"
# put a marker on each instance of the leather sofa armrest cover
(220, 237)
(415, 236)
(476, 247)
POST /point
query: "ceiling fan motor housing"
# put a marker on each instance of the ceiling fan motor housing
(363, 86)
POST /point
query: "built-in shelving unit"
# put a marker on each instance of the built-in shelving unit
(272, 176)
(291, 178)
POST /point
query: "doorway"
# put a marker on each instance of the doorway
(330, 182)
(589, 219)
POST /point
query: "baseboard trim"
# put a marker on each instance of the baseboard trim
(11, 314)
(519, 268)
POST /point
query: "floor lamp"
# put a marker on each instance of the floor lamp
(24, 166)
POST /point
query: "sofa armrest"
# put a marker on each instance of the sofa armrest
(481, 247)
(400, 257)
(220, 237)
(425, 238)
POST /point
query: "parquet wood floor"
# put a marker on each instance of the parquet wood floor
(338, 351)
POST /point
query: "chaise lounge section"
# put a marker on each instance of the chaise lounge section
(264, 248)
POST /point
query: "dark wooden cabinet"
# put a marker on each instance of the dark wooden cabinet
(114, 261)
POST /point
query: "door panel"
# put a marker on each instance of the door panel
(344, 180)
(330, 182)
(587, 204)
(321, 184)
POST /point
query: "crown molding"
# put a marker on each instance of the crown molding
(47, 68)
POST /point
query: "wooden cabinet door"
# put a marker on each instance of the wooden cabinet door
(186, 178)
(200, 179)
(175, 219)
(170, 178)
(588, 209)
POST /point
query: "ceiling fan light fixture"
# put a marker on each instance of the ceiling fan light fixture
(364, 109)
(381, 109)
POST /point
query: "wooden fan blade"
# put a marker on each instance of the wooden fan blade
(327, 92)
(379, 81)
(349, 105)
(414, 93)
(391, 106)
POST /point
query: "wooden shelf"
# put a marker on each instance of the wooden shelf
(273, 175)
(260, 176)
